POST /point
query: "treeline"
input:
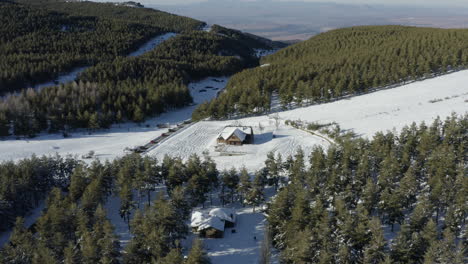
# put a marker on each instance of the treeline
(74, 227)
(341, 62)
(39, 42)
(142, 16)
(397, 198)
(253, 41)
(24, 184)
(186, 57)
(125, 89)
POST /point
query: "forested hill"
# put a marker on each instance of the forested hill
(44, 38)
(40, 39)
(250, 39)
(340, 62)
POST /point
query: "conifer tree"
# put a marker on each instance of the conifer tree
(197, 254)
(245, 185)
(256, 196)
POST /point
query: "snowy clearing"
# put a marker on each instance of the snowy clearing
(365, 115)
(111, 143)
(202, 136)
(392, 108)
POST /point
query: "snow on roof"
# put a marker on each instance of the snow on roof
(225, 214)
(198, 218)
(212, 222)
(240, 132)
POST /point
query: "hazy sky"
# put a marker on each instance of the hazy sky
(446, 3)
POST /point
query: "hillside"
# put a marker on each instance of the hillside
(38, 42)
(342, 62)
(115, 87)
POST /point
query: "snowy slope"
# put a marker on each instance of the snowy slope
(202, 137)
(111, 143)
(366, 115)
(152, 43)
(393, 108)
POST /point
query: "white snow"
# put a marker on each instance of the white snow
(202, 137)
(207, 28)
(109, 144)
(212, 222)
(392, 108)
(63, 78)
(240, 132)
(239, 247)
(152, 43)
(197, 218)
(225, 214)
(264, 52)
(73, 75)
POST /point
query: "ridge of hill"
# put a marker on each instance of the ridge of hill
(338, 63)
(41, 39)
(46, 40)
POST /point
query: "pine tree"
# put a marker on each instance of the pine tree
(256, 196)
(197, 255)
(374, 253)
(174, 257)
(198, 186)
(22, 245)
(245, 185)
(180, 203)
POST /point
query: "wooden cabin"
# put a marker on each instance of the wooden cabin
(213, 227)
(228, 216)
(236, 135)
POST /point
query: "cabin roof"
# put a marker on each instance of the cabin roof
(212, 222)
(224, 214)
(240, 132)
(197, 218)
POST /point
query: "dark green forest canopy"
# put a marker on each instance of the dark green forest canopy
(341, 62)
(40, 39)
(119, 88)
(252, 40)
(415, 182)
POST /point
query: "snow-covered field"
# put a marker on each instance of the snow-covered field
(392, 108)
(202, 136)
(365, 115)
(111, 143)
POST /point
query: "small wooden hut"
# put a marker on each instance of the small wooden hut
(236, 135)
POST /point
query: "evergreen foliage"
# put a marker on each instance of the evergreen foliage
(116, 88)
(41, 39)
(334, 210)
(341, 62)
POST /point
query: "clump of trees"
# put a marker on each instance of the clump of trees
(24, 184)
(341, 62)
(397, 198)
(116, 88)
(125, 89)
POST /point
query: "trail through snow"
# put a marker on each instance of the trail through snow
(73, 75)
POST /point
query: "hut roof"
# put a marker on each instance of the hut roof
(198, 218)
(225, 214)
(212, 222)
(240, 132)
